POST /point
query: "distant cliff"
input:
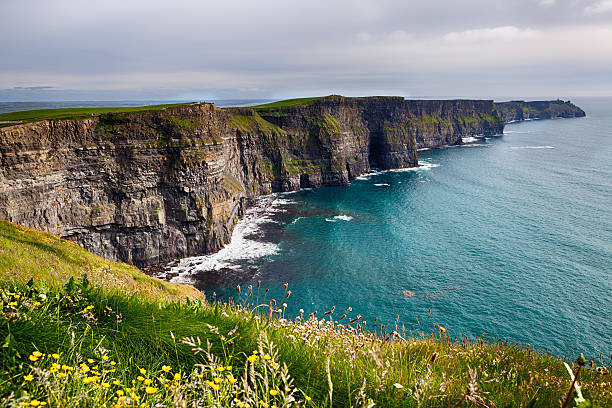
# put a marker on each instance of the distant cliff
(515, 111)
(149, 186)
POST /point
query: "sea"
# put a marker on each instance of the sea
(505, 237)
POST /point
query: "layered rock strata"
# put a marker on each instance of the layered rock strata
(149, 186)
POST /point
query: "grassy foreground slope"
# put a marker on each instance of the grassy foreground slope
(118, 338)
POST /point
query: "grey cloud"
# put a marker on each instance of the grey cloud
(278, 48)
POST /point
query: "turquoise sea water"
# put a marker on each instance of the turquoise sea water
(508, 236)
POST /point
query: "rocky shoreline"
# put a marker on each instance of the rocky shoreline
(148, 187)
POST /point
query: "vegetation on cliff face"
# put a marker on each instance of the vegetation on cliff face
(83, 342)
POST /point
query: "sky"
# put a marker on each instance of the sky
(269, 49)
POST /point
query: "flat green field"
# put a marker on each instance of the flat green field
(73, 113)
(288, 103)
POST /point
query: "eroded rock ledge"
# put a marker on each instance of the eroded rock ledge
(145, 187)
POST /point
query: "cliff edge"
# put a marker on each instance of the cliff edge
(149, 186)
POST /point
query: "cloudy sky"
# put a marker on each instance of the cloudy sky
(201, 49)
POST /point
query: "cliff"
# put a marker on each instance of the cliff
(149, 186)
(516, 111)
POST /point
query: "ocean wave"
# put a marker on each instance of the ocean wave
(469, 139)
(532, 147)
(340, 217)
(243, 248)
(381, 184)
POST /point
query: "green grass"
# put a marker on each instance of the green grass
(289, 103)
(29, 254)
(73, 113)
(336, 361)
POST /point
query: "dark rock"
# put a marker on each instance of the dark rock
(151, 186)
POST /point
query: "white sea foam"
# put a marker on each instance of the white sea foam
(381, 184)
(340, 217)
(532, 147)
(242, 248)
(296, 220)
(468, 139)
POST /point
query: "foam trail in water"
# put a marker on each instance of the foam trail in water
(532, 147)
(340, 217)
(381, 184)
(242, 248)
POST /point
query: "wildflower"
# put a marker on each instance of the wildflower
(140, 378)
(116, 382)
(274, 365)
(254, 351)
(112, 363)
(66, 368)
(105, 385)
(62, 375)
(263, 404)
(37, 303)
(177, 377)
(220, 368)
(150, 390)
(166, 368)
(35, 403)
(105, 358)
(307, 398)
(148, 381)
(267, 357)
(442, 329)
(33, 358)
(89, 307)
(287, 389)
(55, 356)
(90, 360)
(143, 371)
(120, 392)
(252, 358)
(218, 380)
(13, 303)
(231, 379)
(274, 393)
(37, 353)
(28, 377)
(228, 368)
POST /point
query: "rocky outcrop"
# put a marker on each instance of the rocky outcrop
(149, 186)
(516, 111)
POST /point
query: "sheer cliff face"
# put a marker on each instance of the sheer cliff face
(515, 111)
(145, 187)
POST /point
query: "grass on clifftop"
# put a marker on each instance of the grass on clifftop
(81, 345)
(12, 118)
(288, 103)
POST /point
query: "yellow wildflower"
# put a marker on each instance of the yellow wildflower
(177, 376)
(33, 358)
(112, 363)
(252, 358)
(13, 303)
(148, 381)
(442, 329)
(150, 390)
(105, 358)
(218, 380)
(37, 303)
(35, 403)
(229, 368)
(91, 360)
(55, 356)
(37, 353)
(274, 365)
(89, 307)
(120, 392)
(166, 368)
(143, 371)
(220, 368)
(274, 393)
(254, 351)
(28, 377)
(307, 398)
(267, 357)
(105, 385)
(140, 378)
(231, 379)
(116, 382)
